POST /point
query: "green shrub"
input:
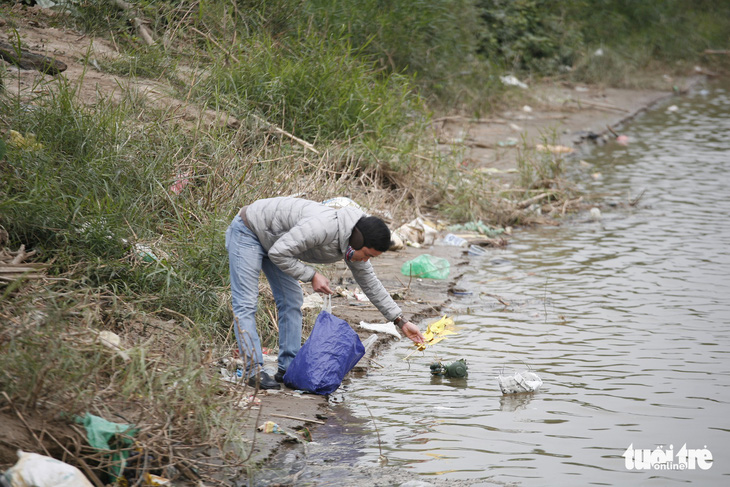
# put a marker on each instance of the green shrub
(528, 35)
(313, 89)
(434, 41)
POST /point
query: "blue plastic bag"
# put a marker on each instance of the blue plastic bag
(330, 352)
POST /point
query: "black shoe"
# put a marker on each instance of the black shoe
(263, 381)
(279, 376)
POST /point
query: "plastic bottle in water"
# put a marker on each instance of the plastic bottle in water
(451, 239)
(476, 250)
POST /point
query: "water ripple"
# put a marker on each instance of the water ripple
(625, 320)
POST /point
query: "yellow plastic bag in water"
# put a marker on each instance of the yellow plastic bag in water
(435, 332)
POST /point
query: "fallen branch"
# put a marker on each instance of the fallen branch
(459, 118)
(25, 59)
(525, 203)
(215, 43)
(281, 131)
(25, 423)
(599, 105)
(489, 242)
(12, 266)
(136, 21)
(635, 201)
(84, 466)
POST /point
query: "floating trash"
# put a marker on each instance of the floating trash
(622, 140)
(455, 240)
(478, 227)
(526, 381)
(476, 250)
(455, 370)
(436, 331)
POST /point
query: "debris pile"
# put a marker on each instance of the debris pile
(13, 265)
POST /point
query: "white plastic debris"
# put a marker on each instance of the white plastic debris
(526, 381)
(234, 378)
(388, 328)
(454, 240)
(417, 232)
(511, 80)
(313, 301)
(396, 242)
(112, 341)
(37, 470)
(370, 341)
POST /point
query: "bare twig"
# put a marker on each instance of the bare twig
(297, 418)
(84, 466)
(25, 423)
(380, 448)
(600, 106)
(635, 201)
(534, 199)
(215, 43)
(281, 131)
(135, 20)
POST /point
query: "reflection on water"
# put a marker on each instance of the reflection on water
(625, 319)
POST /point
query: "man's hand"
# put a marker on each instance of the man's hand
(321, 284)
(411, 331)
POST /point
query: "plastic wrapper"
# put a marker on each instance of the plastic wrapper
(34, 470)
(526, 381)
(388, 328)
(427, 266)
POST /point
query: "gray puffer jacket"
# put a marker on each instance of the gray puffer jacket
(293, 230)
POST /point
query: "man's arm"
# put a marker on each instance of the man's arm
(377, 294)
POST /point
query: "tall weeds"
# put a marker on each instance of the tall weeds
(314, 89)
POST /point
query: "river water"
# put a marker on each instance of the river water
(625, 318)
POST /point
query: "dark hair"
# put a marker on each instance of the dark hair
(375, 233)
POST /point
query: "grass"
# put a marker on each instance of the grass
(170, 395)
(313, 89)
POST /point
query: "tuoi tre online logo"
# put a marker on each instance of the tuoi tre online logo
(666, 459)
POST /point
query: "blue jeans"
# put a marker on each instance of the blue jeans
(247, 258)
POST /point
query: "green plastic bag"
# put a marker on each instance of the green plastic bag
(477, 226)
(426, 266)
(105, 435)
